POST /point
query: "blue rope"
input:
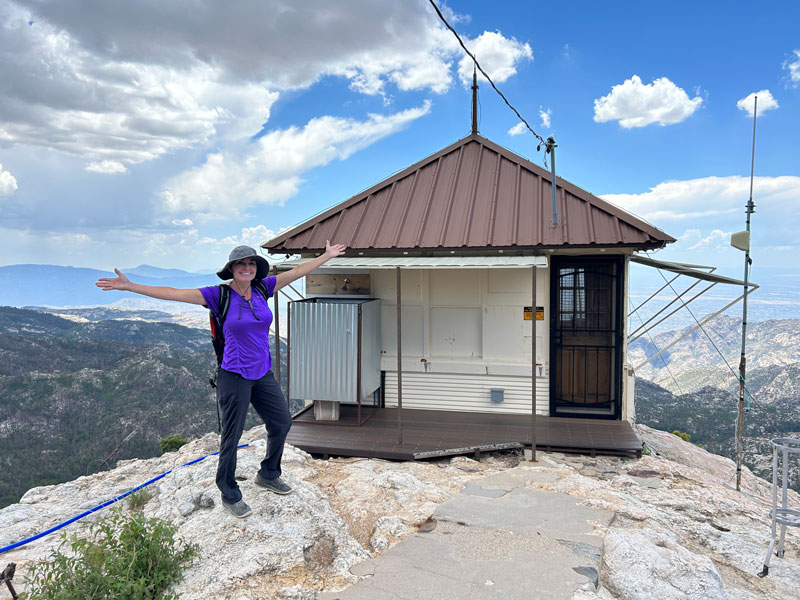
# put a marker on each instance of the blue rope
(104, 504)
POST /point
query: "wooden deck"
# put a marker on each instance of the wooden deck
(431, 433)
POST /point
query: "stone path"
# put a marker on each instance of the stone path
(496, 539)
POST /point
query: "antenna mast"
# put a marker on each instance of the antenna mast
(750, 209)
(474, 98)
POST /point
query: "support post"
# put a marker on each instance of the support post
(399, 366)
(533, 363)
(6, 576)
(358, 369)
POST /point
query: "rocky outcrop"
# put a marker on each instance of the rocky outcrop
(679, 530)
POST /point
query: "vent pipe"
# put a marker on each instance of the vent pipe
(550, 148)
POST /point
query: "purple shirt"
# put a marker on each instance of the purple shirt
(246, 338)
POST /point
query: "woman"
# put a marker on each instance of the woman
(245, 375)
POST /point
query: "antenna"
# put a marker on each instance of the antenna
(745, 242)
(474, 98)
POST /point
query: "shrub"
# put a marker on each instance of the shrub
(684, 436)
(138, 499)
(124, 557)
(172, 442)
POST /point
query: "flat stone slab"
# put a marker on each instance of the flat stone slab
(494, 539)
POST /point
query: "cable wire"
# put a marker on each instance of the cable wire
(663, 358)
(489, 79)
(736, 374)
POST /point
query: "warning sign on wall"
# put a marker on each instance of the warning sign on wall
(527, 313)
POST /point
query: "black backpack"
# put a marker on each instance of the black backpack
(217, 320)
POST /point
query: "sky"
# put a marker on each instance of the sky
(165, 133)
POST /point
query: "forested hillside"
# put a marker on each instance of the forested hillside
(691, 388)
(709, 416)
(71, 392)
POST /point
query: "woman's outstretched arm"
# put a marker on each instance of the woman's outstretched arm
(122, 283)
(306, 268)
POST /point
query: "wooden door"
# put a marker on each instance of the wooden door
(586, 344)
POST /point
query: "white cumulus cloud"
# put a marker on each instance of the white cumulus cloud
(792, 66)
(269, 171)
(107, 166)
(518, 129)
(637, 104)
(498, 56)
(8, 183)
(716, 239)
(709, 198)
(765, 102)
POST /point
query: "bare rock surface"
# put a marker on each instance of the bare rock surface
(340, 513)
(677, 526)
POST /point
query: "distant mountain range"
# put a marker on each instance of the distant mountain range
(50, 285)
(691, 388)
(72, 389)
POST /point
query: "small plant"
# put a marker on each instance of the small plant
(138, 499)
(172, 442)
(684, 436)
(125, 557)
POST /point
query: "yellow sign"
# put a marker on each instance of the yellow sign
(527, 313)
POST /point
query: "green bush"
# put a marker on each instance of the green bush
(138, 499)
(172, 442)
(684, 436)
(124, 557)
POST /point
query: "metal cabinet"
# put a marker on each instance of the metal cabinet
(334, 349)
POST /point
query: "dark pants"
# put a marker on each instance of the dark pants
(235, 394)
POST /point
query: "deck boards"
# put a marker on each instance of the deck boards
(436, 432)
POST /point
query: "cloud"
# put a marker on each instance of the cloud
(269, 170)
(8, 183)
(636, 104)
(518, 129)
(716, 239)
(498, 56)
(709, 197)
(132, 82)
(792, 65)
(107, 166)
(251, 236)
(545, 115)
(765, 102)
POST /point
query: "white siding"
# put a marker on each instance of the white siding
(469, 393)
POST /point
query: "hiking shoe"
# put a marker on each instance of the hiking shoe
(276, 485)
(237, 509)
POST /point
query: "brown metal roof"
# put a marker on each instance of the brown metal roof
(471, 196)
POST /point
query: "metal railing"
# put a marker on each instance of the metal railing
(782, 450)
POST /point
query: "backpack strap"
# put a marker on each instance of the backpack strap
(224, 303)
(261, 288)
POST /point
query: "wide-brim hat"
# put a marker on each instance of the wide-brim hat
(239, 253)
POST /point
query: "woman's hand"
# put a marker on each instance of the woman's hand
(120, 282)
(333, 251)
(299, 271)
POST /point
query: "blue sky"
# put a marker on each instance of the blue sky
(167, 132)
